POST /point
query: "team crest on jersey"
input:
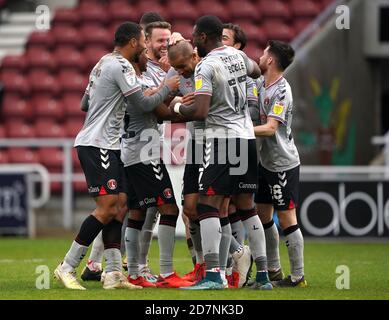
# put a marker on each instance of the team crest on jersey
(278, 108)
(112, 184)
(199, 82)
(168, 193)
(130, 77)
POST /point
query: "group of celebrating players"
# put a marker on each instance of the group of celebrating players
(237, 111)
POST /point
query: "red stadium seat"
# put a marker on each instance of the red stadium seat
(40, 40)
(301, 23)
(93, 13)
(48, 129)
(15, 63)
(42, 82)
(66, 17)
(20, 129)
(73, 126)
(206, 7)
(304, 8)
(94, 35)
(2, 132)
(39, 59)
(46, 107)
(121, 11)
(184, 28)
(67, 36)
(154, 6)
(76, 161)
(51, 158)
(69, 58)
(71, 103)
(14, 107)
(4, 157)
(92, 55)
(274, 9)
(243, 9)
(182, 11)
(253, 51)
(72, 82)
(279, 31)
(254, 33)
(15, 83)
(23, 155)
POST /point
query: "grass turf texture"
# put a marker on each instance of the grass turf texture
(368, 264)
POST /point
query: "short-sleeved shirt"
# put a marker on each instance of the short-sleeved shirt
(112, 79)
(187, 86)
(222, 74)
(278, 152)
(144, 129)
(157, 75)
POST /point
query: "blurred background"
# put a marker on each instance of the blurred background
(341, 104)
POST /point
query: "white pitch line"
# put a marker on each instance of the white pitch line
(4, 261)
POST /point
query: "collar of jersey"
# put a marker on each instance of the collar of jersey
(272, 84)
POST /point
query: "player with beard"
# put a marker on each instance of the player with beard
(279, 165)
(112, 81)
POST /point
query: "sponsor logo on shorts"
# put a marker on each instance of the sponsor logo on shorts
(94, 189)
(168, 193)
(147, 201)
(247, 185)
(112, 184)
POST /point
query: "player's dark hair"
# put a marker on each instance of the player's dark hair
(150, 17)
(157, 25)
(211, 26)
(239, 35)
(125, 32)
(283, 53)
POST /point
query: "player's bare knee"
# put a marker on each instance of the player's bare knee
(168, 209)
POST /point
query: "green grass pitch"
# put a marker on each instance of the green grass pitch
(368, 264)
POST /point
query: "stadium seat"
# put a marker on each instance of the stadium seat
(80, 187)
(301, 23)
(40, 59)
(2, 132)
(71, 103)
(72, 82)
(76, 161)
(95, 35)
(40, 40)
(42, 82)
(154, 6)
(46, 107)
(206, 7)
(23, 155)
(15, 63)
(15, 83)
(14, 107)
(243, 9)
(52, 158)
(274, 9)
(254, 33)
(304, 8)
(121, 11)
(4, 157)
(185, 28)
(253, 51)
(182, 11)
(20, 129)
(68, 58)
(92, 55)
(73, 126)
(67, 36)
(48, 129)
(93, 13)
(69, 17)
(278, 30)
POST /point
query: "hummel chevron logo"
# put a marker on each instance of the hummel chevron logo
(208, 145)
(154, 163)
(282, 176)
(105, 165)
(105, 159)
(103, 151)
(283, 183)
(206, 158)
(157, 169)
(159, 177)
